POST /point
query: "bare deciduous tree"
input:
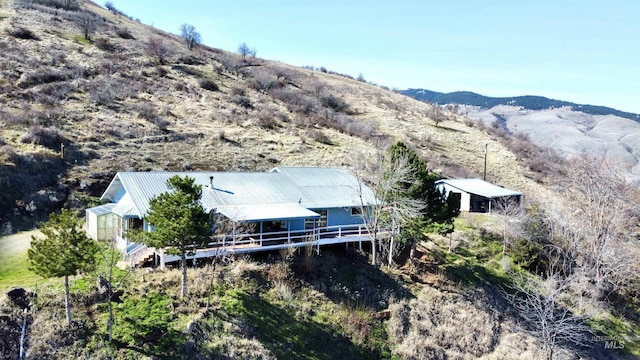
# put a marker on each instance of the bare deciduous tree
(509, 210)
(545, 317)
(88, 24)
(190, 35)
(252, 52)
(243, 50)
(109, 282)
(390, 208)
(600, 226)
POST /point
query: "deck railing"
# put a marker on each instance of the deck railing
(253, 242)
(288, 237)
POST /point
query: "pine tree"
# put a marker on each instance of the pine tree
(65, 251)
(179, 220)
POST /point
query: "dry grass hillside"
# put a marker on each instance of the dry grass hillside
(136, 98)
(74, 111)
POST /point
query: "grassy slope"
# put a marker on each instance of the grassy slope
(159, 117)
(120, 110)
(303, 306)
(13, 260)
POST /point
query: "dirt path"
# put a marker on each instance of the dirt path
(16, 243)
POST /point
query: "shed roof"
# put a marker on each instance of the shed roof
(479, 187)
(101, 209)
(287, 190)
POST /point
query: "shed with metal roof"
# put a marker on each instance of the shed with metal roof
(477, 195)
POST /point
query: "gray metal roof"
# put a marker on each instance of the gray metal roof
(300, 188)
(265, 212)
(479, 187)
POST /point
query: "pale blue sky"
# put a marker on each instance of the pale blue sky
(585, 51)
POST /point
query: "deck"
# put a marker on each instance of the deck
(250, 243)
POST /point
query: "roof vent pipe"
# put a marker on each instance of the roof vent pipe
(211, 182)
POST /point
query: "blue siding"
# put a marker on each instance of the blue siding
(296, 224)
(342, 216)
(119, 195)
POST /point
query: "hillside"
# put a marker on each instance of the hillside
(74, 111)
(528, 102)
(567, 128)
(116, 106)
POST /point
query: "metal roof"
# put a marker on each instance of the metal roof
(479, 187)
(327, 187)
(265, 212)
(309, 188)
(101, 209)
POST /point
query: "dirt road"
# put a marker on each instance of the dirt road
(16, 243)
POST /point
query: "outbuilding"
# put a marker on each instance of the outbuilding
(477, 195)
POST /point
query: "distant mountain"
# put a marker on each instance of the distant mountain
(527, 102)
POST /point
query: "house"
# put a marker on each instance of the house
(477, 195)
(252, 211)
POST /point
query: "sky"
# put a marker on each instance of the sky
(583, 51)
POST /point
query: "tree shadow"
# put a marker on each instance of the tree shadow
(288, 337)
(346, 277)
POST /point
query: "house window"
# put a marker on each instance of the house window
(135, 224)
(311, 223)
(274, 225)
(356, 211)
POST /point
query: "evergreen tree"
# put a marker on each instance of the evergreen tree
(439, 211)
(65, 251)
(179, 220)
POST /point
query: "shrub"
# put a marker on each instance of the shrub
(105, 45)
(230, 63)
(268, 119)
(468, 122)
(46, 137)
(48, 75)
(109, 6)
(156, 48)
(147, 111)
(124, 33)
(242, 101)
(190, 60)
(181, 86)
(103, 95)
(354, 127)
(238, 90)
(208, 85)
(22, 33)
(429, 325)
(187, 70)
(8, 154)
(334, 103)
(265, 81)
(57, 91)
(320, 137)
(69, 5)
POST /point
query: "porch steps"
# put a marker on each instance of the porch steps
(143, 257)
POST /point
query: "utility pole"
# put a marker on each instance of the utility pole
(484, 175)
